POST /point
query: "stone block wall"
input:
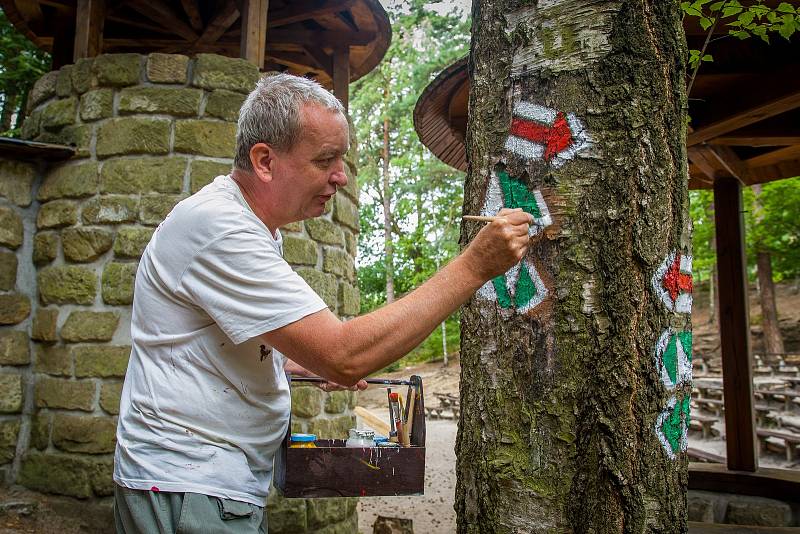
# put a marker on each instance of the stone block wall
(149, 131)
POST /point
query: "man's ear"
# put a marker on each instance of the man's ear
(262, 157)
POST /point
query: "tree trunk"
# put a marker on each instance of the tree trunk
(773, 340)
(576, 364)
(9, 107)
(388, 247)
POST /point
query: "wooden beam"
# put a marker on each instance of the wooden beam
(193, 12)
(774, 157)
(307, 9)
(737, 140)
(294, 60)
(732, 164)
(223, 20)
(322, 38)
(323, 60)
(702, 158)
(254, 31)
(163, 15)
(734, 326)
(341, 75)
(89, 18)
(745, 117)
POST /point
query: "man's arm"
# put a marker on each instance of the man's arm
(345, 352)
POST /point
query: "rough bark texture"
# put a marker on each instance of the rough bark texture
(561, 387)
(773, 340)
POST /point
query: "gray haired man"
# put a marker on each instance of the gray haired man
(219, 316)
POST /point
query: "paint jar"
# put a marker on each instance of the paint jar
(360, 438)
(303, 441)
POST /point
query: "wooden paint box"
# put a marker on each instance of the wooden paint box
(333, 470)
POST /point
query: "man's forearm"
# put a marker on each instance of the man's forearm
(377, 339)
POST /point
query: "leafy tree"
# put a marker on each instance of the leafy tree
(410, 201)
(21, 64)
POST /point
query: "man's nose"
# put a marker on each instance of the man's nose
(339, 176)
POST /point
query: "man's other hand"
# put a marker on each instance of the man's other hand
(333, 386)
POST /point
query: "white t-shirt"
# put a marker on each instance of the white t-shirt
(205, 403)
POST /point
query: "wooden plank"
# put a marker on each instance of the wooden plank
(767, 140)
(741, 118)
(162, 14)
(89, 18)
(322, 38)
(193, 12)
(341, 75)
(783, 484)
(701, 158)
(254, 31)
(774, 157)
(373, 421)
(734, 326)
(732, 164)
(219, 24)
(323, 60)
(307, 9)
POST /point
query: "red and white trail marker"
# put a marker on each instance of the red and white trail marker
(672, 281)
(542, 133)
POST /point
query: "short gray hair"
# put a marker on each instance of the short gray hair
(271, 114)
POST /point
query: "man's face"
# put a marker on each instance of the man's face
(309, 173)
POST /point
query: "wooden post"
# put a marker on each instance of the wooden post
(341, 74)
(734, 326)
(254, 31)
(88, 29)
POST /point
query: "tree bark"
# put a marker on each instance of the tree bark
(576, 365)
(388, 247)
(773, 340)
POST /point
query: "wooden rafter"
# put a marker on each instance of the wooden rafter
(745, 117)
(322, 38)
(138, 24)
(341, 74)
(221, 22)
(774, 157)
(293, 60)
(322, 60)
(307, 9)
(739, 140)
(162, 14)
(193, 12)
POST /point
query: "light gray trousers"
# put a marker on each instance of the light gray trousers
(151, 512)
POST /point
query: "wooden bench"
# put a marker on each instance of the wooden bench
(716, 406)
(703, 456)
(790, 440)
(703, 423)
(447, 403)
(787, 396)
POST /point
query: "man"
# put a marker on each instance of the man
(205, 403)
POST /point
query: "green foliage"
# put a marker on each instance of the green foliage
(425, 195)
(771, 225)
(753, 18)
(21, 64)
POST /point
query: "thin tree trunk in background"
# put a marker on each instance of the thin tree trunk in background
(20, 116)
(9, 107)
(388, 246)
(568, 422)
(773, 340)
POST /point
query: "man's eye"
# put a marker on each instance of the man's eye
(325, 161)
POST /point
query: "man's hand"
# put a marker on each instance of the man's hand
(500, 244)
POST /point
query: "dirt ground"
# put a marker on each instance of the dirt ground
(432, 513)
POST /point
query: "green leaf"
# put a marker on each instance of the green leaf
(716, 6)
(746, 17)
(785, 7)
(706, 22)
(730, 11)
(708, 57)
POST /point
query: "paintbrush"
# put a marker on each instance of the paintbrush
(481, 218)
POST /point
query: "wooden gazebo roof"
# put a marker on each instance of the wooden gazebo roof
(744, 108)
(302, 36)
